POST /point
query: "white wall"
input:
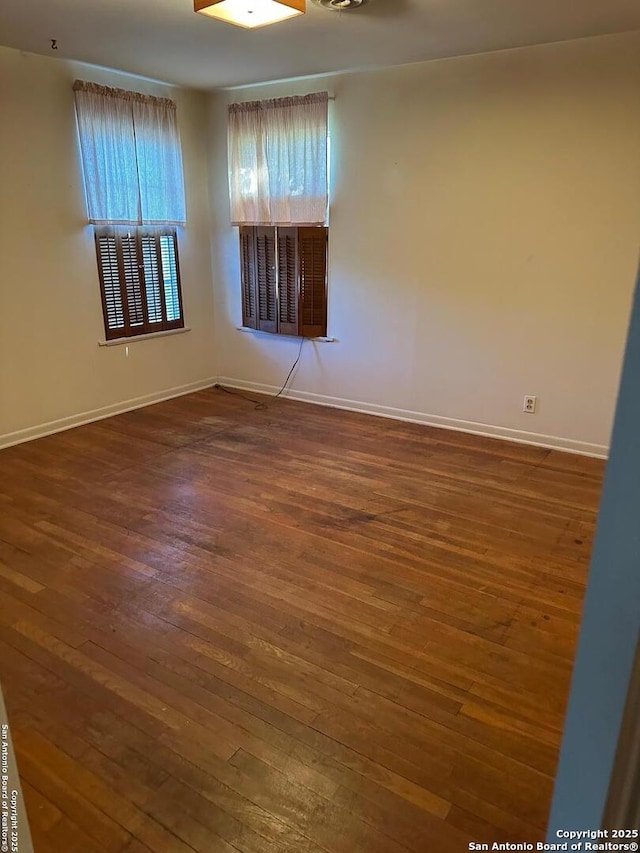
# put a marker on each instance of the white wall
(52, 371)
(484, 240)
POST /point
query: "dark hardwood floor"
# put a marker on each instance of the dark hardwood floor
(287, 630)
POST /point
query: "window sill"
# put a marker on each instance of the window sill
(134, 339)
(321, 340)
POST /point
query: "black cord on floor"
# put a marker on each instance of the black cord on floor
(295, 364)
(260, 406)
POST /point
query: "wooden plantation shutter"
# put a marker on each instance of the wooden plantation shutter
(170, 279)
(266, 279)
(248, 276)
(130, 277)
(283, 277)
(139, 281)
(110, 277)
(152, 287)
(312, 248)
(288, 290)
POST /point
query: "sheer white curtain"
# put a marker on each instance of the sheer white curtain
(131, 156)
(278, 161)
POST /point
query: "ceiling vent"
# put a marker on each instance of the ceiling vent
(340, 5)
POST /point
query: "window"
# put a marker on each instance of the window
(284, 279)
(278, 186)
(139, 280)
(132, 164)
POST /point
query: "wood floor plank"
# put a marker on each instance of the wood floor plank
(287, 630)
(43, 765)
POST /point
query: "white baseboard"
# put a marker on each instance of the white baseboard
(39, 431)
(488, 430)
(552, 442)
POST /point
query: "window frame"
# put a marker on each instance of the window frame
(126, 284)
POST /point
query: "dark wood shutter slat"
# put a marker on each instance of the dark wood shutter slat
(266, 279)
(248, 276)
(312, 250)
(288, 283)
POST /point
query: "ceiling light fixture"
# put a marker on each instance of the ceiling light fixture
(250, 13)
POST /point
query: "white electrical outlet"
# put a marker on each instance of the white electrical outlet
(529, 405)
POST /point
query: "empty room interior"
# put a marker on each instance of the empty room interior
(313, 324)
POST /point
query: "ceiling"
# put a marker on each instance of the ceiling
(166, 40)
